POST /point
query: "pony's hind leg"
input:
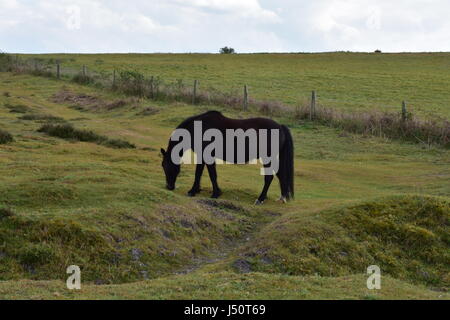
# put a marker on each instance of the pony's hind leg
(284, 193)
(213, 176)
(267, 182)
(198, 176)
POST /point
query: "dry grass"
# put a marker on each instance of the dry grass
(86, 102)
(383, 124)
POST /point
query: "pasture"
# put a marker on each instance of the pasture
(347, 81)
(360, 200)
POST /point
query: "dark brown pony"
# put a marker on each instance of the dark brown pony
(215, 120)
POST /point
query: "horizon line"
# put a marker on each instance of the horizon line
(239, 53)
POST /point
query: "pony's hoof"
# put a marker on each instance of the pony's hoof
(193, 192)
(216, 194)
(282, 200)
(258, 203)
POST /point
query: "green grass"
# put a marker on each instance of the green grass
(41, 248)
(405, 126)
(65, 202)
(225, 285)
(408, 236)
(349, 81)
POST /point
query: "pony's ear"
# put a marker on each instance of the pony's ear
(163, 152)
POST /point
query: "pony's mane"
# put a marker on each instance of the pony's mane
(186, 122)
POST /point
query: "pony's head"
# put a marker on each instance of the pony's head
(171, 170)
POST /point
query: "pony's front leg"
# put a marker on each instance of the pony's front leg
(267, 182)
(213, 176)
(198, 176)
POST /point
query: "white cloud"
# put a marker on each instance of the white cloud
(206, 25)
(8, 4)
(240, 8)
(391, 25)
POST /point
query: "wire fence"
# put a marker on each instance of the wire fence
(396, 125)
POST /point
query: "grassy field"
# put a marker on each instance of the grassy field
(349, 81)
(224, 285)
(359, 200)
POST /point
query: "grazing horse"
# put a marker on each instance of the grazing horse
(215, 120)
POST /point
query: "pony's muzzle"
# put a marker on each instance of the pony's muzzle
(170, 188)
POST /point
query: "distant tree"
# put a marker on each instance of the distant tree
(378, 51)
(226, 50)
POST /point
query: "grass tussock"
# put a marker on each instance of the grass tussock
(134, 83)
(5, 137)
(6, 213)
(81, 78)
(17, 108)
(41, 117)
(68, 132)
(407, 237)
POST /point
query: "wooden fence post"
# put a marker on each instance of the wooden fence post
(58, 71)
(114, 79)
(404, 111)
(35, 65)
(152, 88)
(194, 93)
(245, 97)
(84, 71)
(312, 108)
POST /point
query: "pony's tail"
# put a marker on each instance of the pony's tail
(286, 170)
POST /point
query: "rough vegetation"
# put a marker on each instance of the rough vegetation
(84, 102)
(383, 124)
(408, 236)
(39, 249)
(41, 117)
(67, 131)
(18, 108)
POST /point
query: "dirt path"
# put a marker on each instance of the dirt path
(229, 249)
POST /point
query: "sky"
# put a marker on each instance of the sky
(91, 26)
